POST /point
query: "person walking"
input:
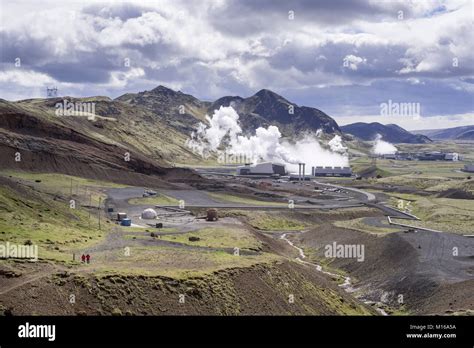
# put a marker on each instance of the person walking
(88, 258)
(83, 258)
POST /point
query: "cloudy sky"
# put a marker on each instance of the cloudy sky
(343, 57)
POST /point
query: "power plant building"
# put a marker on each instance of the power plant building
(424, 156)
(439, 156)
(331, 171)
(263, 169)
(452, 156)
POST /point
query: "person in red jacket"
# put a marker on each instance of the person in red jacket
(83, 258)
(88, 257)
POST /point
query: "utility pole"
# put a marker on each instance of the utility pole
(100, 198)
(90, 207)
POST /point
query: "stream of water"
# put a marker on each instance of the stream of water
(346, 285)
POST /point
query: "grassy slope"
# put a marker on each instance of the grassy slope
(359, 225)
(255, 290)
(131, 128)
(178, 263)
(64, 185)
(159, 199)
(227, 198)
(271, 222)
(50, 224)
(218, 237)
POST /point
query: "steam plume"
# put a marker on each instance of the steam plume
(382, 147)
(225, 134)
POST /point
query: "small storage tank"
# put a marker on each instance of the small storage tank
(126, 222)
(149, 214)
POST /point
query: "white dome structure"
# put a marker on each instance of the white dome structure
(149, 214)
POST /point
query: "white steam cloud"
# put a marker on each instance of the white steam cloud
(224, 134)
(382, 147)
(337, 146)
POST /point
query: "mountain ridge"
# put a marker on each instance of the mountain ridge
(262, 109)
(74, 145)
(390, 132)
(454, 133)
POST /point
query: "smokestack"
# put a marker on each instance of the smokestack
(304, 165)
(312, 171)
(301, 168)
